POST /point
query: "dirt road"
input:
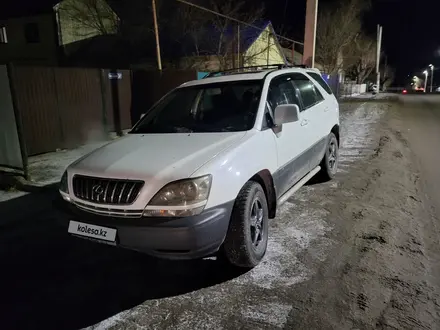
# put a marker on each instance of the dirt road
(360, 252)
(383, 272)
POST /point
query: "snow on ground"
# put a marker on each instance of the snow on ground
(48, 168)
(301, 225)
(359, 96)
(7, 195)
(369, 96)
(356, 137)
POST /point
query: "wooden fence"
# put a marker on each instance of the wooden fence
(62, 108)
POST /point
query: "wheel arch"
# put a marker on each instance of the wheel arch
(335, 131)
(265, 179)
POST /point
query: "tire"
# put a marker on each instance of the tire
(246, 241)
(329, 164)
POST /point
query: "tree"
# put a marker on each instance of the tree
(188, 26)
(363, 57)
(89, 18)
(337, 30)
(387, 76)
(227, 30)
(213, 42)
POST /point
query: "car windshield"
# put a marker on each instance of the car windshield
(218, 107)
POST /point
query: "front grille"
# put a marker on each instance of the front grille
(102, 210)
(106, 191)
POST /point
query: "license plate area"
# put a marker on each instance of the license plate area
(94, 232)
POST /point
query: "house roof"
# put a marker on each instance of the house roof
(23, 8)
(249, 35)
(209, 37)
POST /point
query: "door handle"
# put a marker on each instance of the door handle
(304, 122)
(326, 109)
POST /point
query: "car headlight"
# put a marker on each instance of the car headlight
(180, 198)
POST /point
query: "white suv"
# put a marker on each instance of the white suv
(207, 166)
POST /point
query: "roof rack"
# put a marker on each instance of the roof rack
(253, 69)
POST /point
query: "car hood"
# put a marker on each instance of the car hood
(144, 156)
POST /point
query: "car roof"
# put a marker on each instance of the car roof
(251, 75)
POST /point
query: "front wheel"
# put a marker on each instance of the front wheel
(329, 164)
(246, 241)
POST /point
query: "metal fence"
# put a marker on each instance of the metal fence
(352, 89)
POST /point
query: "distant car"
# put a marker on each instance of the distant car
(207, 167)
(413, 90)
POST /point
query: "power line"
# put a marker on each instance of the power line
(234, 19)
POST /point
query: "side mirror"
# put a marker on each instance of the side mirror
(286, 113)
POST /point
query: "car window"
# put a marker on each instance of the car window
(320, 81)
(217, 107)
(310, 95)
(282, 91)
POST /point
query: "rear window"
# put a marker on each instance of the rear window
(320, 81)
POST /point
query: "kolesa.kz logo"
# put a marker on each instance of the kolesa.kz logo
(87, 230)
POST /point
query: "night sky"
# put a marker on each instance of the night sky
(411, 29)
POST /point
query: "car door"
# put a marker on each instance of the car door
(313, 110)
(292, 165)
(330, 103)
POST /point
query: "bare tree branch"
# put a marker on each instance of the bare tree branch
(337, 30)
(361, 60)
(214, 40)
(387, 76)
(89, 17)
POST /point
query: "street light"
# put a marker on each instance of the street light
(432, 76)
(426, 79)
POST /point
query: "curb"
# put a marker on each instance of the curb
(10, 181)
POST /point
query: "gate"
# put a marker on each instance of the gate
(61, 108)
(12, 154)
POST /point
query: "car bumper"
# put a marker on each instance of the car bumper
(171, 238)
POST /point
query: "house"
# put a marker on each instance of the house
(49, 32)
(28, 36)
(232, 47)
(293, 56)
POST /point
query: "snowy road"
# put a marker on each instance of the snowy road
(331, 261)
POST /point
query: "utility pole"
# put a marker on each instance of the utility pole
(432, 76)
(379, 44)
(238, 47)
(426, 80)
(310, 33)
(156, 33)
